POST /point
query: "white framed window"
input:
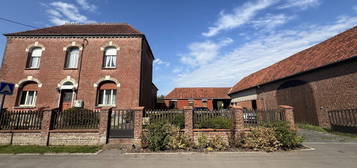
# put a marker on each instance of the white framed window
(110, 57)
(28, 98)
(107, 97)
(72, 57)
(34, 58)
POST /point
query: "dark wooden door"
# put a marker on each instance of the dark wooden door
(66, 99)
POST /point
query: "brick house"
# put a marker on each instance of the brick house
(94, 65)
(314, 81)
(212, 98)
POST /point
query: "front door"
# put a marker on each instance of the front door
(66, 99)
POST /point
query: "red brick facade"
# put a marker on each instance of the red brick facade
(132, 75)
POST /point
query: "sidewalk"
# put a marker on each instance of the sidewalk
(325, 156)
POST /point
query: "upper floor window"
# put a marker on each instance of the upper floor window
(34, 58)
(110, 57)
(72, 57)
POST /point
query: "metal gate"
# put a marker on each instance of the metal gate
(121, 124)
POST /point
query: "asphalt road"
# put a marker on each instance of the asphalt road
(325, 155)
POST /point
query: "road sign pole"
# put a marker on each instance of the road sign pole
(2, 103)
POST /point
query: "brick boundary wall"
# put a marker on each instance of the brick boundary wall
(46, 136)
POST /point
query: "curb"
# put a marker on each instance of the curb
(53, 154)
(308, 148)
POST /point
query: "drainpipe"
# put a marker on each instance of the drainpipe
(84, 44)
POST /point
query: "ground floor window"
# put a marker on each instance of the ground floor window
(107, 94)
(27, 94)
(28, 98)
(107, 97)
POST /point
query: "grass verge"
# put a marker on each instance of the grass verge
(325, 130)
(14, 149)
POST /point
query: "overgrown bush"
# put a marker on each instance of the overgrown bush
(157, 136)
(179, 121)
(259, 138)
(214, 143)
(163, 136)
(178, 139)
(202, 141)
(287, 137)
(216, 123)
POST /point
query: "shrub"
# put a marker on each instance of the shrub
(287, 137)
(259, 138)
(163, 136)
(216, 123)
(179, 121)
(215, 142)
(157, 136)
(218, 143)
(178, 139)
(202, 141)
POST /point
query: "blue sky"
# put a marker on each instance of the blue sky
(200, 42)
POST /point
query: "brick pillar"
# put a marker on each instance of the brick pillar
(138, 124)
(238, 120)
(289, 115)
(45, 127)
(188, 112)
(104, 125)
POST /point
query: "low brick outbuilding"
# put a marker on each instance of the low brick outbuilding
(211, 98)
(314, 81)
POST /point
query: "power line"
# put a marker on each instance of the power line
(16, 22)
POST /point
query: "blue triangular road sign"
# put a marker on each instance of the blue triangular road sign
(6, 88)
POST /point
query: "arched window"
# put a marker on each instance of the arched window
(107, 94)
(28, 94)
(72, 57)
(34, 58)
(110, 57)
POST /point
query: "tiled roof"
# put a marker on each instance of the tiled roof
(198, 93)
(82, 29)
(335, 49)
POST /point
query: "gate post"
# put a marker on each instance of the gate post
(138, 124)
(238, 118)
(188, 113)
(288, 115)
(45, 127)
(104, 125)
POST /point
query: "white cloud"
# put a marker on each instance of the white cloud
(158, 61)
(86, 6)
(355, 8)
(271, 21)
(265, 50)
(240, 16)
(62, 12)
(302, 4)
(203, 52)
